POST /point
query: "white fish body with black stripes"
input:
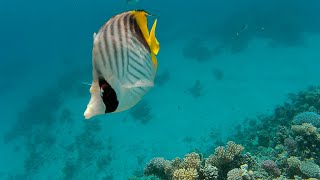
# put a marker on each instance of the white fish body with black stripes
(124, 63)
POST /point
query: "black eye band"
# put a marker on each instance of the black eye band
(109, 96)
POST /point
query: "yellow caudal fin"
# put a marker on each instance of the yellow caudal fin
(154, 44)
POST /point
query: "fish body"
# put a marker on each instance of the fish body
(124, 63)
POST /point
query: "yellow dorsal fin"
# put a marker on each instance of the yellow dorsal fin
(141, 19)
(154, 44)
(151, 39)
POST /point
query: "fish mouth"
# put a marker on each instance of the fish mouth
(108, 95)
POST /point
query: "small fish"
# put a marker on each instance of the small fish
(244, 27)
(218, 74)
(132, 1)
(124, 63)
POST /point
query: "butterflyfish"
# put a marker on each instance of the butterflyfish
(124, 63)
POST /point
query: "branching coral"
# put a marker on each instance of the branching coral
(185, 174)
(142, 112)
(293, 163)
(159, 167)
(241, 173)
(209, 172)
(308, 141)
(235, 174)
(224, 155)
(188, 168)
(305, 129)
(192, 160)
(193, 166)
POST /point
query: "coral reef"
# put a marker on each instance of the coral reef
(305, 129)
(307, 117)
(193, 166)
(66, 116)
(162, 78)
(310, 169)
(292, 139)
(189, 173)
(90, 152)
(159, 167)
(142, 112)
(294, 165)
(224, 155)
(196, 90)
(38, 114)
(271, 168)
(217, 74)
(195, 49)
(235, 174)
(285, 147)
(209, 172)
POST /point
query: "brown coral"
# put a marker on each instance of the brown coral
(192, 160)
(209, 172)
(193, 167)
(306, 129)
(224, 155)
(159, 167)
(293, 163)
(185, 174)
(235, 174)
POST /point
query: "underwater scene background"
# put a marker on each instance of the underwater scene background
(236, 94)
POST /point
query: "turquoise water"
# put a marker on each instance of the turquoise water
(220, 62)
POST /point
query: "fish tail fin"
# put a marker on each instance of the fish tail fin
(95, 105)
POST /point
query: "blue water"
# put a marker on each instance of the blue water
(220, 62)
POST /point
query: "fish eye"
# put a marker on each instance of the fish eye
(102, 87)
